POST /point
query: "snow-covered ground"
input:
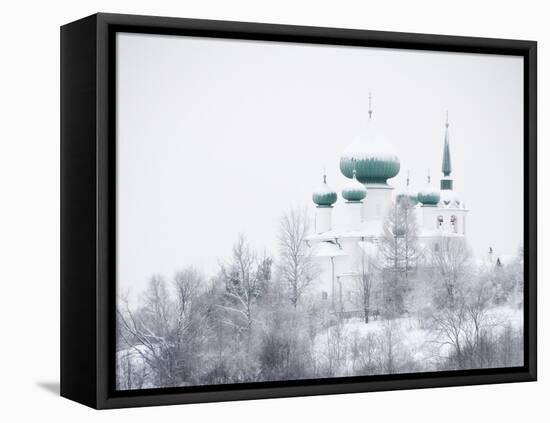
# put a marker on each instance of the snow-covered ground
(506, 315)
(410, 338)
(355, 347)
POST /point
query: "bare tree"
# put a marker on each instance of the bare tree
(296, 265)
(190, 315)
(149, 329)
(389, 346)
(451, 261)
(132, 373)
(464, 328)
(335, 348)
(365, 282)
(410, 236)
(451, 318)
(449, 325)
(366, 357)
(243, 286)
(164, 332)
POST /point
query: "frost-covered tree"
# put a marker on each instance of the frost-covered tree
(365, 284)
(399, 250)
(451, 260)
(506, 280)
(390, 340)
(285, 351)
(244, 283)
(465, 329)
(165, 331)
(366, 357)
(399, 243)
(296, 266)
(132, 371)
(335, 349)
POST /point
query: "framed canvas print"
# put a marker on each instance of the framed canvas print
(255, 211)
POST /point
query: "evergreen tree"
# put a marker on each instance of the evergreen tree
(399, 249)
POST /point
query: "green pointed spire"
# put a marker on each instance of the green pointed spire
(446, 182)
(446, 166)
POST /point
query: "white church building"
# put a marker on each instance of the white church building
(369, 162)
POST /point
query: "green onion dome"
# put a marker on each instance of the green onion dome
(374, 160)
(429, 195)
(407, 195)
(354, 191)
(324, 196)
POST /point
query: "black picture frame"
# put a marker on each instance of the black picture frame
(88, 209)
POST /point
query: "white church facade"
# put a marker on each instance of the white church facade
(342, 247)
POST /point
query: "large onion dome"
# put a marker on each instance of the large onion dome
(324, 196)
(429, 195)
(354, 191)
(374, 160)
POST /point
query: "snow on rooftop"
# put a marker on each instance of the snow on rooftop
(370, 145)
(369, 229)
(327, 249)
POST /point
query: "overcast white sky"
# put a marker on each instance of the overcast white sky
(217, 137)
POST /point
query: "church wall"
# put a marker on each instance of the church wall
(379, 198)
(460, 220)
(323, 219)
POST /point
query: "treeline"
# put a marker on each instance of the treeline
(258, 319)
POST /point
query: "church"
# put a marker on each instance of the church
(342, 250)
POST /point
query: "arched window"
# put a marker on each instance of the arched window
(454, 225)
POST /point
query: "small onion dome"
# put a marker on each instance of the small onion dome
(354, 191)
(407, 195)
(450, 199)
(374, 160)
(324, 196)
(429, 196)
